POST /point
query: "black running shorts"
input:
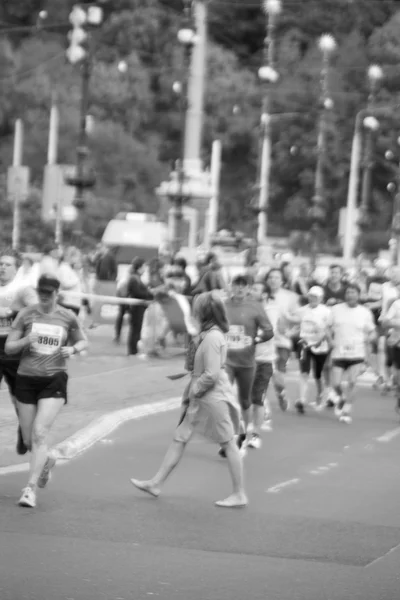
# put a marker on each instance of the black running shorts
(345, 364)
(30, 389)
(243, 376)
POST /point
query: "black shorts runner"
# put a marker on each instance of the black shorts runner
(345, 364)
(8, 371)
(30, 389)
(310, 359)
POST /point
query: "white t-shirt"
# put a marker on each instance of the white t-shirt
(389, 294)
(393, 314)
(266, 351)
(351, 327)
(314, 323)
(286, 303)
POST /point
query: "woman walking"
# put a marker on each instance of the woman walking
(211, 407)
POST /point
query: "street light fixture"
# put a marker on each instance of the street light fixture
(80, 53)
(187, 38)
(327, 46)
(268, 76)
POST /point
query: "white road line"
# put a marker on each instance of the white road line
(380, 558)
(98, 430)
(389, 435)
(280, 486)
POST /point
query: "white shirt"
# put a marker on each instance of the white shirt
(389, 293)
(266, 351)
(351, 328)
(315, 323)
(286, 303)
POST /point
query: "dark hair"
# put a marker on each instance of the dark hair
(336, 266)
(210, 257)
(137, 264)
(285, 263)
(352, 285)
(14, 254)
(180, 261)
(273, 270)
(210, 310)
(241, 278)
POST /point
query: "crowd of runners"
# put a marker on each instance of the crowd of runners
(247, 334)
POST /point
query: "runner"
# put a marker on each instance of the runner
(353, 330)
(391, 323)
(286, 303)
(314, 345)
(261, 419)
(374, 301)
(249, 325)
(14, 295)
(42, 333)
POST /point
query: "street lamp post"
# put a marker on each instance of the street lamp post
(79, 52)
(371, 125)
(187, 38)
(327, 46)
(268, 75)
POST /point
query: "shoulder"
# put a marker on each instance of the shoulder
(66, 315)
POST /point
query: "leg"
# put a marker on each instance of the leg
(337, 378)
(244, 378)
(47, 412)
(305, 366)
(119, 321)
(318, 366)
(26, 416)
(238, 498)
(171, 460)
(132, 337)
(279, 376)
(261, 381)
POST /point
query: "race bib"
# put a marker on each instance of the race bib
(350, 351)
(5, 325)
(237, 340)
(49, 338)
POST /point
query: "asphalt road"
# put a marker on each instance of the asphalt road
(323, 521)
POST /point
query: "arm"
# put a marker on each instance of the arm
(265, 327)
(16, 340)
(77, 337)
(212, 366)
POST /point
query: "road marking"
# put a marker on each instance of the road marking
(324, 469)
(389, 435)
(98, 430)
(280, 486)
(380, 558)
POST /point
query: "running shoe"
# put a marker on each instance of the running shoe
(28, 498)
(45, 475)
(254, 441)
(282, 400)
(299, 406)
(21, 448)
(267, 425)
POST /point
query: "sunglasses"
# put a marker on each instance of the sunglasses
(43, 292)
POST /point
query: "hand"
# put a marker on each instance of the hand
(67, 351)
(32, 338)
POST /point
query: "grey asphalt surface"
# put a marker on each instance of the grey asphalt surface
(323, 521)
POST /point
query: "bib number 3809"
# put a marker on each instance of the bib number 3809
(49, 338)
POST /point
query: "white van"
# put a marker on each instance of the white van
(135, 234)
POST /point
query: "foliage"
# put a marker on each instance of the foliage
(137, 122)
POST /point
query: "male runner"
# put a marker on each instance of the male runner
(14, 296)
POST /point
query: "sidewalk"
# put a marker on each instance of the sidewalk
(104, 381)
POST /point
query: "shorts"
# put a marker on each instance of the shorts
(30, 389)
(283, 358)
(262, 377)
(395, 356)
(244, 378)
(317, 361)
(8, 371)
(346, 364)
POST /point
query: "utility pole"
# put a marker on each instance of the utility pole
(268, 75)
(327, 45)
(17, 162)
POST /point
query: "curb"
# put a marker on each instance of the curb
(88, 436)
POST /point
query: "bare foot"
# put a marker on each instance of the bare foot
(233, 501)
(146, 486)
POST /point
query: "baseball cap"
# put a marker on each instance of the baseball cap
(316, 290)
(48, 283)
